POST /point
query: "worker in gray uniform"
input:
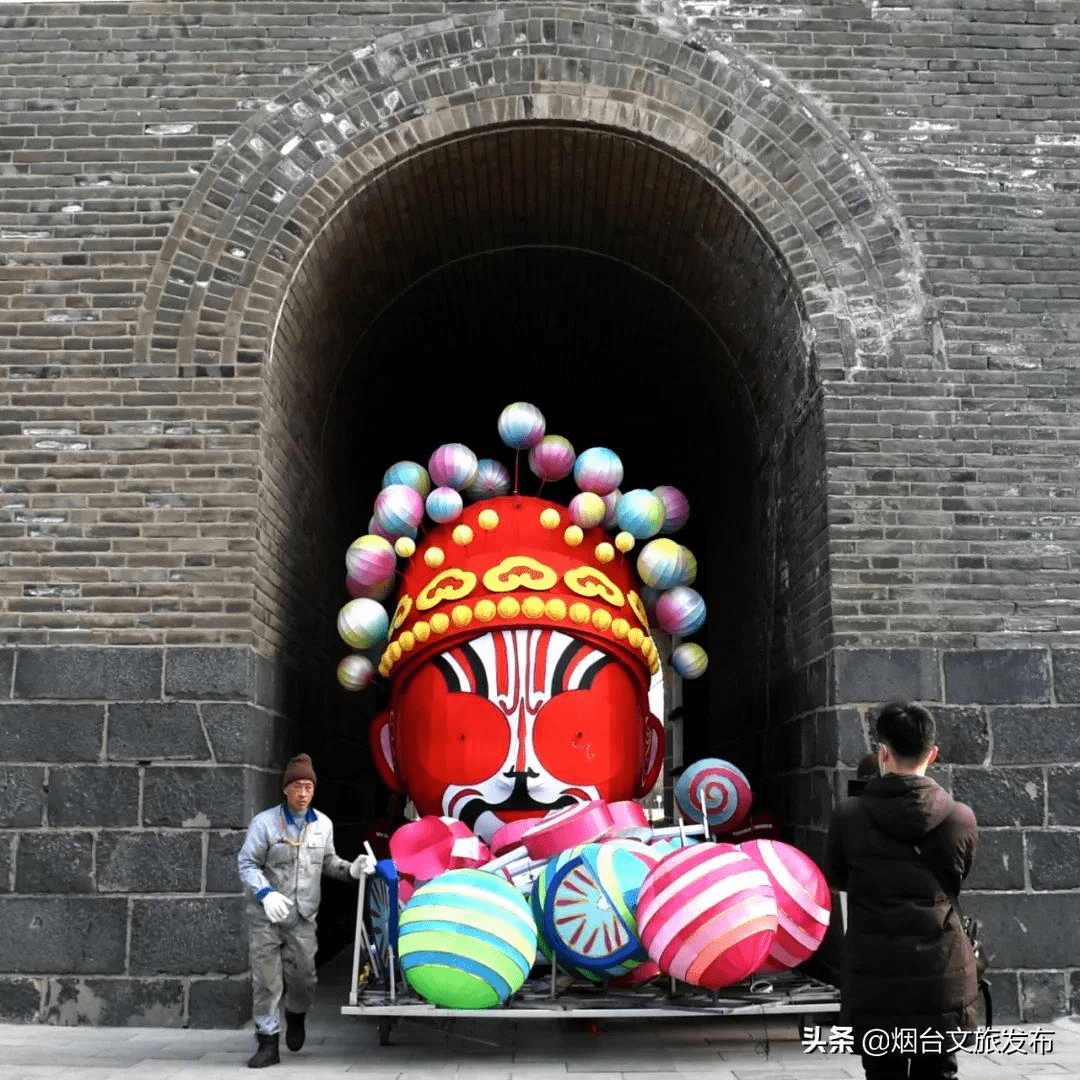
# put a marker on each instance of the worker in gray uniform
(287, 850)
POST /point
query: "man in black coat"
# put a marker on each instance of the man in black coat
(899, 849)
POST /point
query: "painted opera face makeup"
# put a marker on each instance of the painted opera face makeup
(514, 723)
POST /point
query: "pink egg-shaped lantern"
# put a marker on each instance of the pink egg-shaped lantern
(707, 915)
(598, 470)
(676, 507)
(680, 610)
(370, 558)
(399, 509)
(453, 465)
(802, 900)
(552, 458)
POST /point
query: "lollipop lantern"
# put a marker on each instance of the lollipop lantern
(714, 791)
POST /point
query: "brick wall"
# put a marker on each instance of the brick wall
(847, 286)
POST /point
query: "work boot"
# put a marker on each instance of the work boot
(294, 1030)
(267, 1054)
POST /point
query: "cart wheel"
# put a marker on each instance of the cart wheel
(381, 908)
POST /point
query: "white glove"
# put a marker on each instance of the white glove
(276, 906)
(362, 864)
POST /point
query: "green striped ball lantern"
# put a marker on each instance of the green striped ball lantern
(466, 940)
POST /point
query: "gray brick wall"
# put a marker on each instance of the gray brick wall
(204, 206)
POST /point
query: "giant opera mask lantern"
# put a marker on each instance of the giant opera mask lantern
(518, 653)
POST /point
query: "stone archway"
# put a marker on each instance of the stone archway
(406, 160)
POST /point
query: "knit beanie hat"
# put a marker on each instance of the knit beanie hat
(299, 768)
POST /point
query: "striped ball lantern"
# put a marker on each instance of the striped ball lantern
(466, 940)
(552, 458)
(716, 791)
(689, 660)
(676, 507)
(707, 915)
(802, 900)
(491, 479)
(356, 672)
(410, 473)
(660, 563)
(598, 470)
(453, 465)
(370, 559)
(399, 509)
(680, 611)
(611, 505)
(444, 504)
(379, 591)
(640, 513)
(363, 623)
(587, 510)
(521, 425)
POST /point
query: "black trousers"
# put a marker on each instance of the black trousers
(910, 1067)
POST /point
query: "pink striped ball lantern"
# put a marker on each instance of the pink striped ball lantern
(802, 901)
(707, 915)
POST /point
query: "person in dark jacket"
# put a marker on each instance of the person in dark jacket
(898, 849)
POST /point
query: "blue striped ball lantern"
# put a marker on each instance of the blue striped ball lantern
(521, 425)
(466, 940)
(640, 513)
(411, 474)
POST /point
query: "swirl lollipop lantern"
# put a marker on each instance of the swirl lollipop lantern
(802, 899)
(598, 470)
(680, 610)
(715, 791)
(399, 509)
(411, 474)
(707, 915)
(453, 465)
(370, 559)
(491, 480)
(552, 458)
(640, 513)
(363, 623)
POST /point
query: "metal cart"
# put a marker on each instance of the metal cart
(376, 989)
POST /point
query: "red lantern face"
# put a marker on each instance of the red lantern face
(515, 723)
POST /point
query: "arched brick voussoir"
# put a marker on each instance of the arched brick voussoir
(278, 179)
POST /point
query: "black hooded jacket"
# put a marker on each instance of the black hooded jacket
(907, 961)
